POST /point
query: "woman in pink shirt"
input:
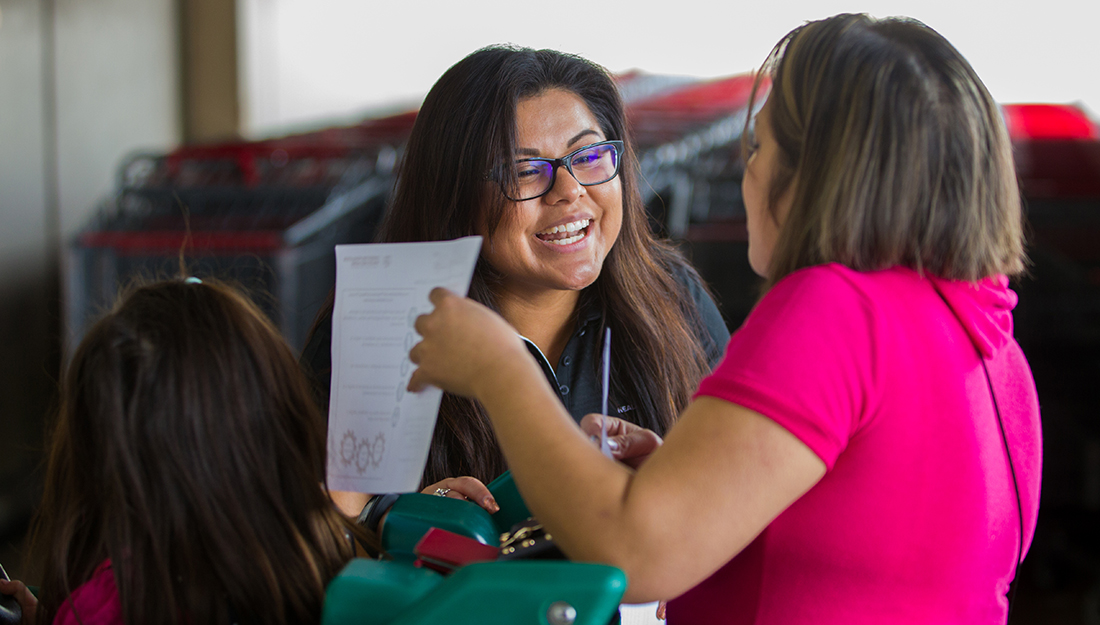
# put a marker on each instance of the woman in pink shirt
(181, 485)
(869, 449)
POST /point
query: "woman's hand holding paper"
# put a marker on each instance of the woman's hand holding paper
(466, 349)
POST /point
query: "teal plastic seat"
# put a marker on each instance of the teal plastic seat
(397, 592)
(414, 514)
(542, 592)
(376, 591)
(512, 507)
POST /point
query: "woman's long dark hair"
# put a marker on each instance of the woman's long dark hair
(188, 450)
(465, 129)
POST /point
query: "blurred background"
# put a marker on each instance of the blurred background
(263, 132)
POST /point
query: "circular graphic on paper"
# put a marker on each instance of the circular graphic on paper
(347, 448)
(410, 340)
(405, 365)
(370, 453)
(413, 314)
(400, 392)
(395, 417)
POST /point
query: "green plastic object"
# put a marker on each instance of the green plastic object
(414, 514)
(535, 592)
(371, 592)
(541, 592)
(512, 507)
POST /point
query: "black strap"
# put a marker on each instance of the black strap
(377, 506)
(1013, 585)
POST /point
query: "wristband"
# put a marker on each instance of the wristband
(377, 506)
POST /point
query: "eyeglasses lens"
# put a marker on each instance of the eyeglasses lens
(595, 164)
(533, 178)
(590, 166)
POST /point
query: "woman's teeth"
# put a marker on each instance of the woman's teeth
(565, 234)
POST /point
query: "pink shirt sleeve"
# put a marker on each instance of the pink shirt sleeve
(804, 358)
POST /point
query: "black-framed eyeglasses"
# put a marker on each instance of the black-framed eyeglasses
(590, 165)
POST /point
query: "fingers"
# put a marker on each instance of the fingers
(417, 382)
(468, 488)
(634, 448)
(591, 424)
(27, 601)
(472, 489)
(440, 294)
(434, 348)
(629, 443)
(661, 610)
(638, 442)
(439, 297)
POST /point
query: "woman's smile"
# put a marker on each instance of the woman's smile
(565, 234)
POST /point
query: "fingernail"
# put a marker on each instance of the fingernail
(612, 444)
(594, 438)
(490, 502)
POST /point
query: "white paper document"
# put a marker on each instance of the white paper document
(379, 433)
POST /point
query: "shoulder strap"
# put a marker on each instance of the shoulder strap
(1008, 454)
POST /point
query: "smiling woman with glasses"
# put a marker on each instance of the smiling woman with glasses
(528, 148)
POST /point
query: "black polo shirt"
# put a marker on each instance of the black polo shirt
(577, 374)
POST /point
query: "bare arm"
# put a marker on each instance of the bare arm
(349, 502)
(723, 473)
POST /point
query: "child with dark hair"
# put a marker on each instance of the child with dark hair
(183, 472)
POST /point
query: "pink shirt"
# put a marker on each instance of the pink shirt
(916, 518)
(95, 601)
